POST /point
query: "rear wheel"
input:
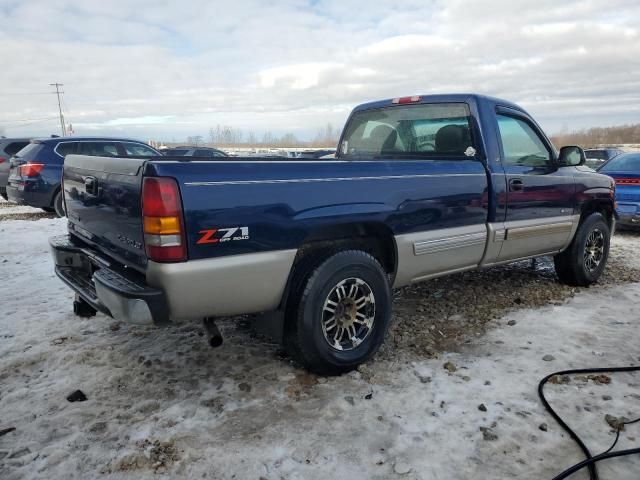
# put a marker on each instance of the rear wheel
(341, 314)
(58, 205)
(584, 261)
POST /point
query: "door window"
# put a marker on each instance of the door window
(204, 153)
(99, 149)
(139, 150)
(66, 148)
(521, 144)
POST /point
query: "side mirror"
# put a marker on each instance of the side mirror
(571, 156)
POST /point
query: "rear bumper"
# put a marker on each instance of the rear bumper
(629, 220)
(628, 214)
(19, 193)
(120, 295)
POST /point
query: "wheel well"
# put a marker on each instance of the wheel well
(603, 207)
(53, 196)
(375, 239)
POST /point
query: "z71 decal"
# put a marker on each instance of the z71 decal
(219, 235)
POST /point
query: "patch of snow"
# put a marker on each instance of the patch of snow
(161, 401)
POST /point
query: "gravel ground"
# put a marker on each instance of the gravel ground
(439, 315)
(11, 211)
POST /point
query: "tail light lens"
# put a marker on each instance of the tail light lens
(627, 181)
(29, 170)
(164, 235)
(2, 159)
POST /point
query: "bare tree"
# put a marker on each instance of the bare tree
(195, 140)
(326, 137)
(593, 137)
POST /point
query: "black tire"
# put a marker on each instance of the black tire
(309, 322)
(48, 209)
(577, 264)
(58, 205)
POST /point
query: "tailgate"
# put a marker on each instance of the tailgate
(102, 196)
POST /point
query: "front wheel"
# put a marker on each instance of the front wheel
(341, 313)
(584, 261)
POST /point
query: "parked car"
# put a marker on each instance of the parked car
(194, 152)
(36, 170)
(596, 157)
(421, 187)
(8, 148)
(625, 170)
(317, 153)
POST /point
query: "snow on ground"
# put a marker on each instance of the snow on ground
(160, 401)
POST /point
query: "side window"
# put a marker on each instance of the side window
(437, 130)
(521, 143)
(204, 153)
(138, 150)
(99, 149)
(15, 147)
(66, 148)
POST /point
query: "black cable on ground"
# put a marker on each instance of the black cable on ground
(590, 461)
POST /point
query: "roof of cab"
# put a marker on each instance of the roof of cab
(442, 98)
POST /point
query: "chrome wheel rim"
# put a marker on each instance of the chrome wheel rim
(348, 314)
(594, 250)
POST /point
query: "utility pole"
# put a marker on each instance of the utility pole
(58, 92)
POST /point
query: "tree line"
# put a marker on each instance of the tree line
(592, 137)
(228, 136)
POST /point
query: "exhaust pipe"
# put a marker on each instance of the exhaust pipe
(214, 337)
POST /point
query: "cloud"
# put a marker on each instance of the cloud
(172, 69)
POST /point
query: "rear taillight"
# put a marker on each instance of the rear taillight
(2, 159)
(30, 169)
(162, 219)
(627, 181)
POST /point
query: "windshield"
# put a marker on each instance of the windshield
(625, 163)
(596, 154)
(427, 130)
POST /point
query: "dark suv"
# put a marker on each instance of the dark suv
(8, 148)
(36, 170)
(193, 152)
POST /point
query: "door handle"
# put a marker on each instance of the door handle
(516, 185)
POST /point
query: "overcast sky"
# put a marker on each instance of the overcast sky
(165, 70)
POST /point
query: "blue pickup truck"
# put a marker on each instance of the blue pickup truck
(420, 187)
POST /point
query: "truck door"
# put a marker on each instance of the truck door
(539, 196)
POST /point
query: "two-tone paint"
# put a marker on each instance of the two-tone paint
(440, 215)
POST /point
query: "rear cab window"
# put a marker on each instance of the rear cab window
(625, 163)
(414, 131)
